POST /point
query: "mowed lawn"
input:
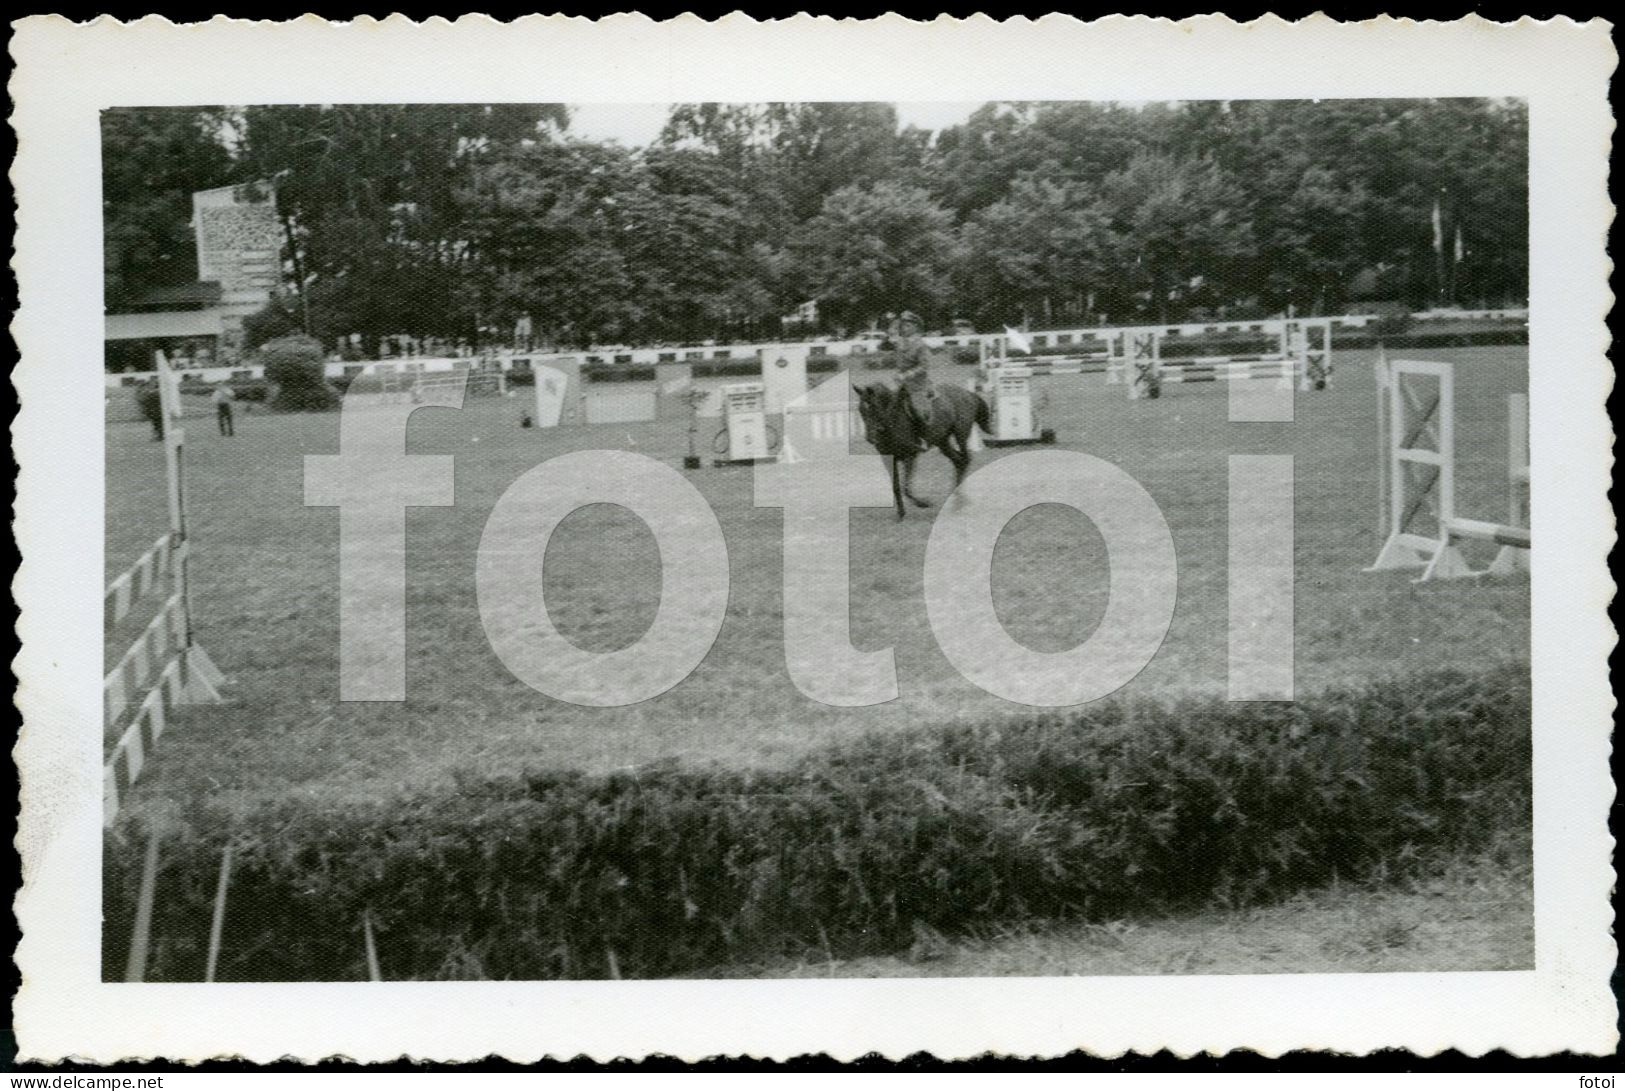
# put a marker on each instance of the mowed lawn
(267, 586)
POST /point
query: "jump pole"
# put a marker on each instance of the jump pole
(135, 970)
(218, 924)
(203, 679)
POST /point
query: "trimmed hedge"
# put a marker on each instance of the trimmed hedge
(296, 367)
(1434, 339)
(743, 368)
(1119, 808)
(1217, 344)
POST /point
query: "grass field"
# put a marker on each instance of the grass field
(266, 587)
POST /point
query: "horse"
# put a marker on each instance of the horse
(899, 426)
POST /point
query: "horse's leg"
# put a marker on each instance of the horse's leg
(908, 482)
(896, 487)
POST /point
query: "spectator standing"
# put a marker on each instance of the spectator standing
(223, 396)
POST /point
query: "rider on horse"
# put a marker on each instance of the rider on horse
(917, 414)
(911, 359)
(909, 354)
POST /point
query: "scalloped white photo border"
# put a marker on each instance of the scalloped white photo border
(66, 73)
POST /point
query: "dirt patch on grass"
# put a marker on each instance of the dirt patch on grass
(1476, 915)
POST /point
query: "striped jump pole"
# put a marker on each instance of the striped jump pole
(165, 666)
(1219, 369)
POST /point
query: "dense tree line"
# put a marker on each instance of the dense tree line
(446, 220)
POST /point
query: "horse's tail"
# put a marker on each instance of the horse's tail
(984, 419)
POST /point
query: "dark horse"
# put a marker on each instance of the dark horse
(903, 422)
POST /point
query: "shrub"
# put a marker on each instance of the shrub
(1120, 807)
(618, 373)
(294, 367)
(1420, 337)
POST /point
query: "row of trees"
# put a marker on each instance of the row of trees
(447, 220)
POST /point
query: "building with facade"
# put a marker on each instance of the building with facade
(239, 260)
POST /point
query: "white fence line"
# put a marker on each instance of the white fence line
(1041, 339)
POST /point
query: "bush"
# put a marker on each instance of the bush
(1419, 338)
(1118, 808)
(294, 368)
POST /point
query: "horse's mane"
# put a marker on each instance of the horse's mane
(890, 419)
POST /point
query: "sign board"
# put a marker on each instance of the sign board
(558, 391)
(239, 239)
(784, 374)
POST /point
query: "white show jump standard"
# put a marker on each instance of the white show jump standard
(744, 411)
(1006, 383)
(1516, 557)
(1416, 402)
(165, 666)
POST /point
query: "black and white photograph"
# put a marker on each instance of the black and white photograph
(760, 539)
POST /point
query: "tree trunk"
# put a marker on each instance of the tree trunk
(298, 269)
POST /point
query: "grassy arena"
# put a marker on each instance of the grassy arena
(266, 588)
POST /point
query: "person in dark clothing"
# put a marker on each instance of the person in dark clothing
(151, 404)
(222, 398)
(911, 359)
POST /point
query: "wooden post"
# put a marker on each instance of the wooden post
(135, 971)
(217, 926)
